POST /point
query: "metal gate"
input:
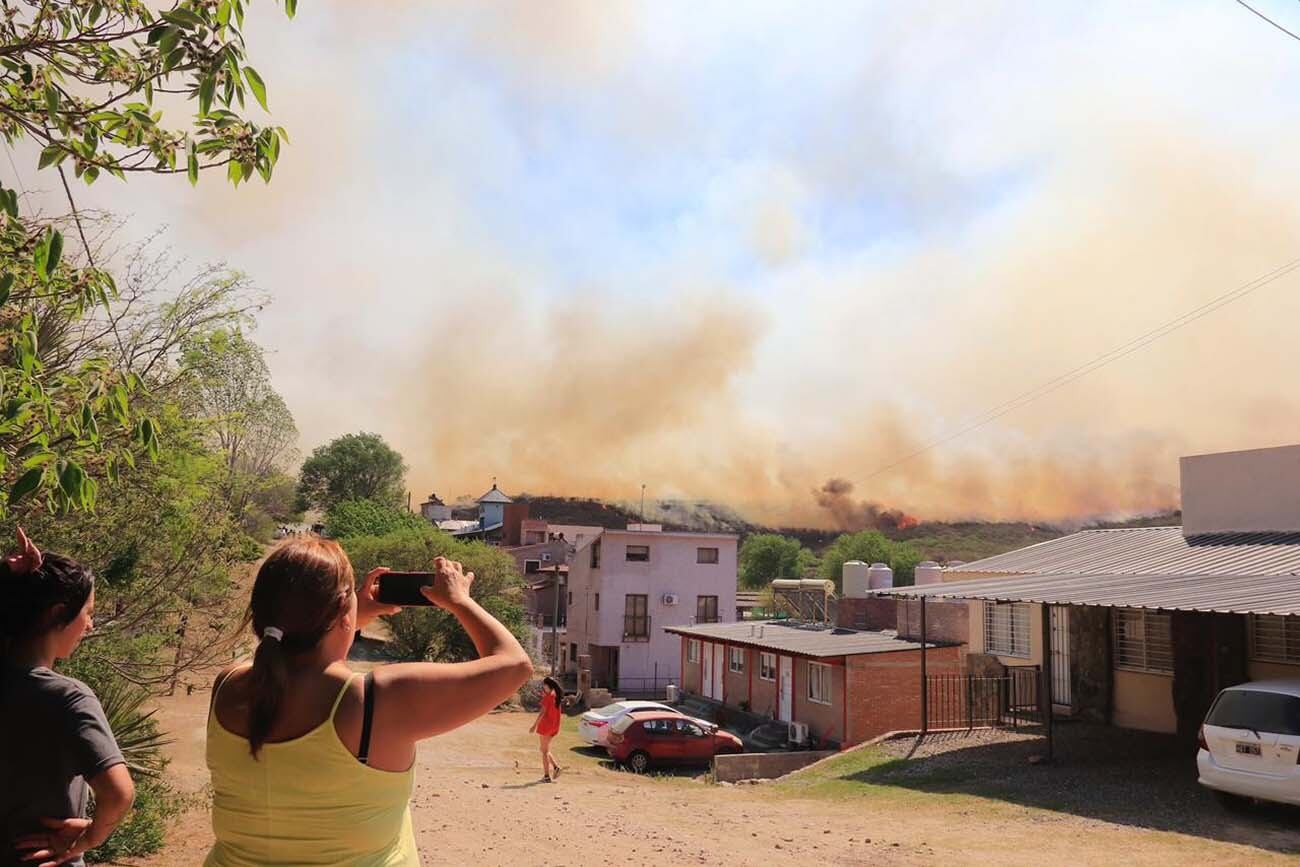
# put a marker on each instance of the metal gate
(1061, 694)
(964, 701)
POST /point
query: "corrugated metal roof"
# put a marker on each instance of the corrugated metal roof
(1232, 594)
(1149, 551)
(800, 639)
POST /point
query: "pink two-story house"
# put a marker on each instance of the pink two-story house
(627, 586)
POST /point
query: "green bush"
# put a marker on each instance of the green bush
(870, 546)
(368, 518)
(430, 633)
(144, 829)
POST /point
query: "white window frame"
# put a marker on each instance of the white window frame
(1006, 629)
(767, 666)
(536, 563)
(1274, 638)
(820, 683)
(736, 660)
(692, 650)
(1142, 641)
(627, 554)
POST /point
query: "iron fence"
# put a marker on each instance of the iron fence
(1010, 700)
(648, 688)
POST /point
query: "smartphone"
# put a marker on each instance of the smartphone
(403, 588)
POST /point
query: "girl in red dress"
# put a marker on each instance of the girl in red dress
(547, 725)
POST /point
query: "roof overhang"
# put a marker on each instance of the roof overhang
(1233, 594)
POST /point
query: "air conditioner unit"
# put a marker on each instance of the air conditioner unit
(797, 733)
(546, 555)
(670, 598)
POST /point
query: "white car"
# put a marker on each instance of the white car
(1250, 743)
(594, 725)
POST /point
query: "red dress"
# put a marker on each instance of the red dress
(550, 724)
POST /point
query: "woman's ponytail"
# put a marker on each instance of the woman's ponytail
(302, 589)
(266, 683)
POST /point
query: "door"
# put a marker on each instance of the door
(613, 668)
(719, 669)
(786, 678)
(706, 669)
(1061, 693)
(691, 743)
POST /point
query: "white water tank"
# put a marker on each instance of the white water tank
(880, 577)
(929, 572)
(855, 579)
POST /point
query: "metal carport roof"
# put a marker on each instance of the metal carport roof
(1232, 594)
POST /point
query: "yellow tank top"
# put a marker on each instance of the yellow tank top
(304, 802)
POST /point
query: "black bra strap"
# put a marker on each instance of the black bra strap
(368, 693)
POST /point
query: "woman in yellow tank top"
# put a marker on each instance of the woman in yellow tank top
(312, 764)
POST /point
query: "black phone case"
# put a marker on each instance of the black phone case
(403, 588)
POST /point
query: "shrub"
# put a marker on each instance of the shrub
(368, 518)
(530, 695)
(144, 829)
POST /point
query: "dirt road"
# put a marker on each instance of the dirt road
(478, 801)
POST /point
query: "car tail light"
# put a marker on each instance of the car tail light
(597, 723)
(1200, 739)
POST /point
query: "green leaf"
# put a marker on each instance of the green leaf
(182, 17)
(207, 89)
(71, 480)
(291, 7)
(192, 166)
(259, 87)
(171, 36)
(39, 460)
(51, 100)
(54, 252)
(91, 175)
(234, 172)
(51, 156)
(6, 287)
(223, 13)
(27, 482)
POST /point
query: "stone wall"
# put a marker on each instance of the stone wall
(1091, 673)
(763, 766)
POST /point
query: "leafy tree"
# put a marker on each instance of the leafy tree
(870, 546)
(78, 78)
(431, 633)
(765, 557)
(368, 518)
(353, 467)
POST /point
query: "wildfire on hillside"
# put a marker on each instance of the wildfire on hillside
(836, 497)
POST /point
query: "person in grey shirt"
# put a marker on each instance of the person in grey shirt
(55, 743)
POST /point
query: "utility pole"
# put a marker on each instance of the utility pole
(555, 623)
(643, 504)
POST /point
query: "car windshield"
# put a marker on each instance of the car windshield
(622, 725)
(1254, 709)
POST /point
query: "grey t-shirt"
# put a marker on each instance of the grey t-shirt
(53, 738)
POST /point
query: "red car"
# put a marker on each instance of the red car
(646, 738)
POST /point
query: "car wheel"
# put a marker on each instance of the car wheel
(639, 762)
(1231, 802)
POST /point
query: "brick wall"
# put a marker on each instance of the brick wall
(945, 620)
(885, 689)
(736, 685)
(875, 612)
(763, 698)
(692, 674)
(825, 721)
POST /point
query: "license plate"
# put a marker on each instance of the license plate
(1248, 749)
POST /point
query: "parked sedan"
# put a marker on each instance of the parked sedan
(1250, 743)
(594, 725)
(644, 738)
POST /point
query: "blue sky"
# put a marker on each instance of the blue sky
(733, 250)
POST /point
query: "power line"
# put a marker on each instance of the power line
(1100, 361)
(1269, 20)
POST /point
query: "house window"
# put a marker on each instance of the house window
(706, 609)
(531, 566)
(595, 554)
(706, 555)
(1006, 629)
(573, 653)
(636, 617)
(570, 597)
(1142, 641)
(693, 650)
(767, 666)
(638, 553)
(736, 663)
(1275, 639)
(819, 683)
(597, 601)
